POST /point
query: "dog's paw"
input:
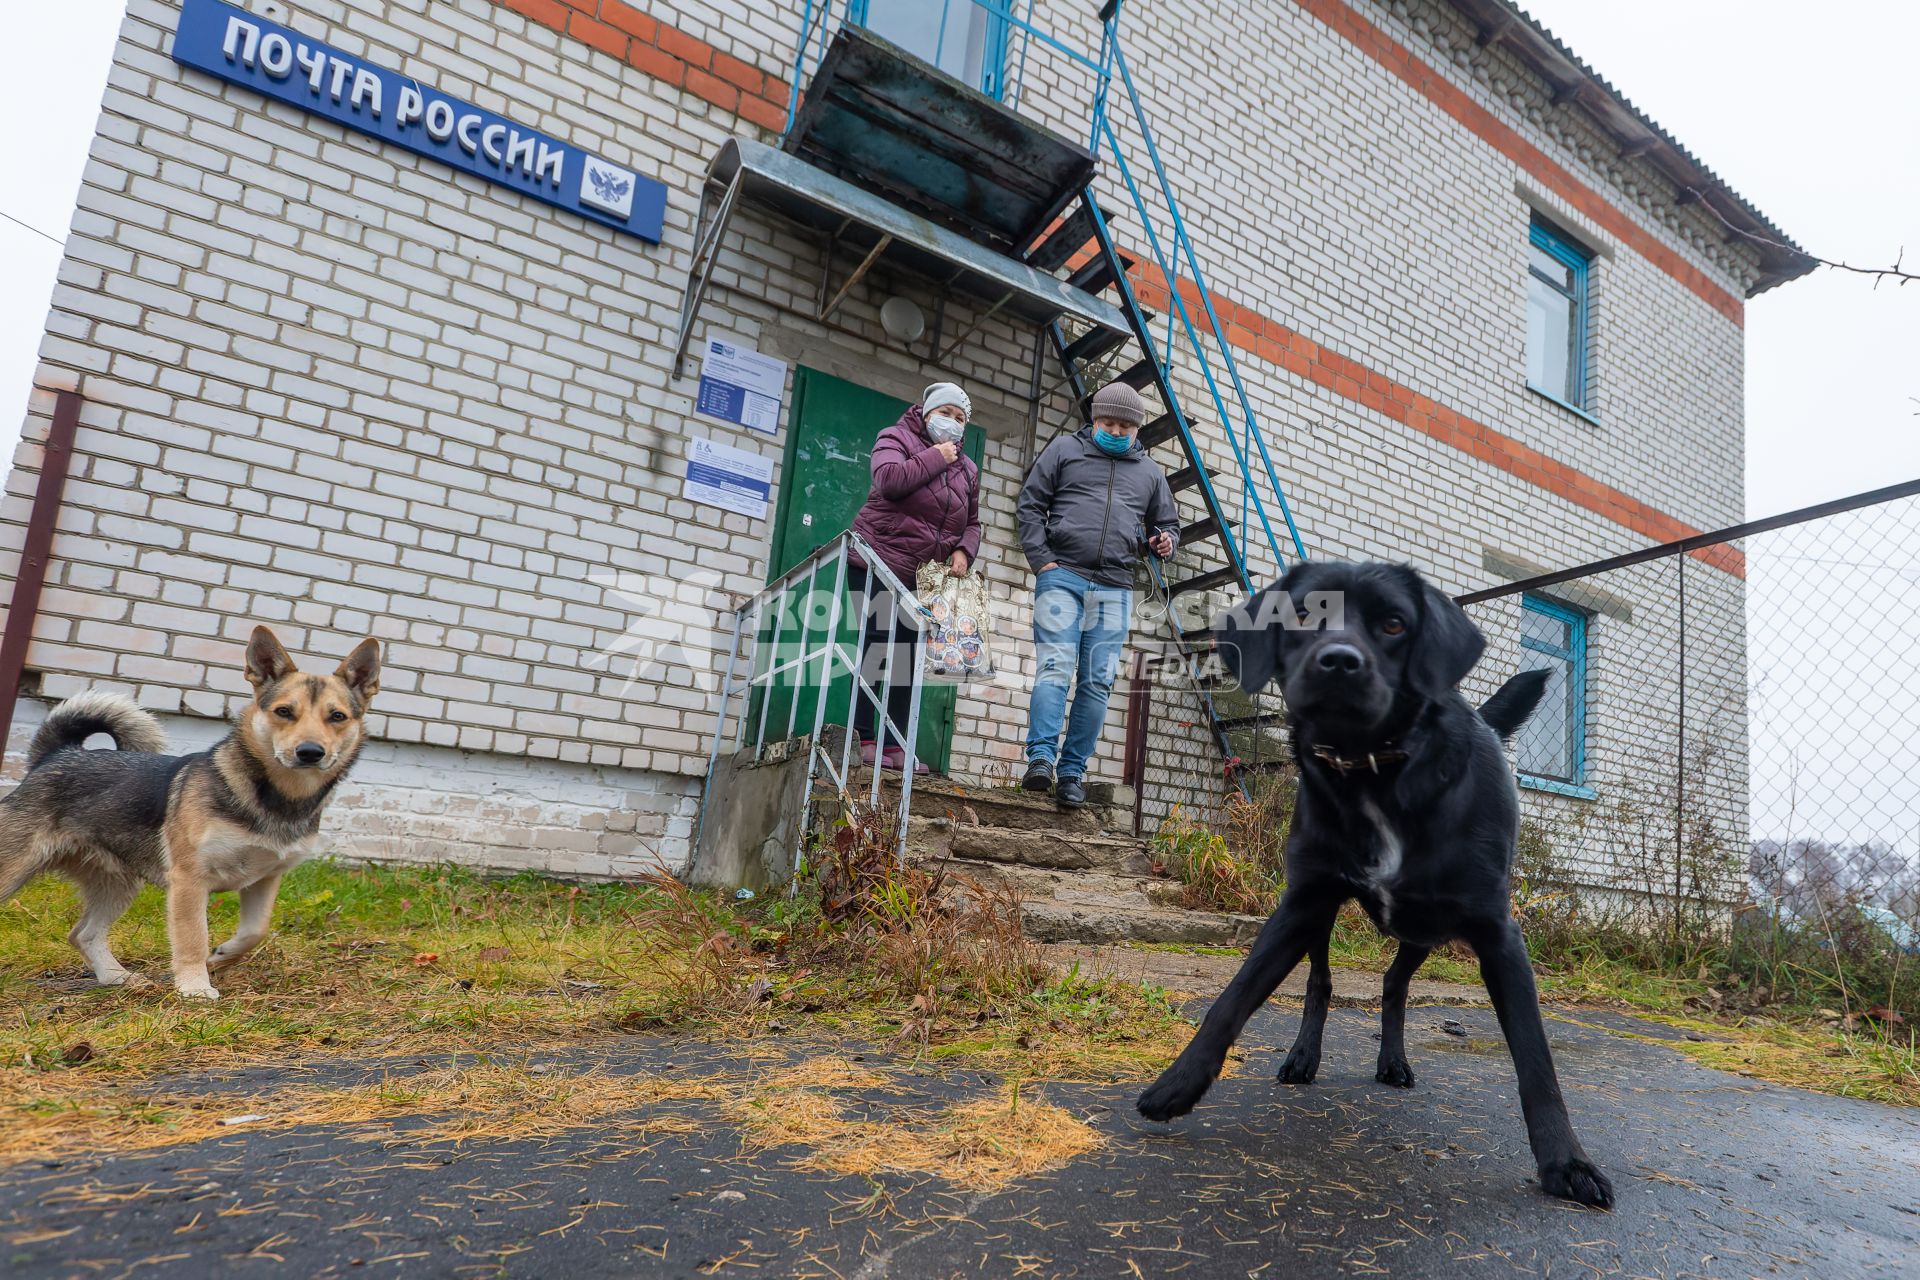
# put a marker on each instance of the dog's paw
(1579, 1180)
(198, 991)
(1394, 1071)
(1301, 1066)
(1173, 1094)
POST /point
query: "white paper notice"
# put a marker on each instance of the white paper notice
(741, 386)
(732, 479)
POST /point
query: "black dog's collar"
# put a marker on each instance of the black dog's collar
(1372, 760)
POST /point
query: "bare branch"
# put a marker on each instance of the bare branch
(1895, 272)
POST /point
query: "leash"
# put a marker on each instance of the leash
(1371, 761)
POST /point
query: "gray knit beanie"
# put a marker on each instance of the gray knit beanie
(1118, 400)
(942, 394)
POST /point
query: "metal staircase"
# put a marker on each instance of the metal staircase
(878, 117)
(1216, 537)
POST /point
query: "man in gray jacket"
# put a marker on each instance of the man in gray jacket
(1093, 500)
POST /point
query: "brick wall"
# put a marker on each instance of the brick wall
(335, 388)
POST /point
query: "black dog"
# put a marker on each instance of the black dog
(1406, 804)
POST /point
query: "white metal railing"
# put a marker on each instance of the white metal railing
(776, 632)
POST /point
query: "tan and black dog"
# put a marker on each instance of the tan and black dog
(234, 817)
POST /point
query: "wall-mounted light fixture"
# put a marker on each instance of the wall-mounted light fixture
(902, 319)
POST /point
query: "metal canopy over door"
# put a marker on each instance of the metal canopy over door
(892, 123)
(824, 479)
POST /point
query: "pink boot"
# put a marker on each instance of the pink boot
(896, 759)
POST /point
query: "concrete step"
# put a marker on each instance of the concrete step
(936, 838)
(1097, 906)
(1065, 922)
(1110, 807)
(1080, 875)
(1092, 888)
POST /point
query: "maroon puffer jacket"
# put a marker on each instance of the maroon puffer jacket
(921, 507)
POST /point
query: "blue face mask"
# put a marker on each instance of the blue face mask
(1114, 446)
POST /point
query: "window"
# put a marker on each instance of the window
(1557, 316)
(960, 37)
(1553, 744)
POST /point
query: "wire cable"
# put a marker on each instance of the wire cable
(29, 226)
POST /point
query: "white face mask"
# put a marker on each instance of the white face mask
(945, 429)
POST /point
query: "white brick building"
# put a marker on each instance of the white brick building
(337, 387)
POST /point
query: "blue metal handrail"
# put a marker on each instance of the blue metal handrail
(1250, 431)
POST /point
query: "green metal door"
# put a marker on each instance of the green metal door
(823, 482)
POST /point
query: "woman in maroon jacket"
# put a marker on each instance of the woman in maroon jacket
(924, 505)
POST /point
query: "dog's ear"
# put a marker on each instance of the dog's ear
(1448, 645)
(267, 661)
(361, 668)
(1247, 637)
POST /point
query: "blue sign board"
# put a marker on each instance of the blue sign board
(732, 479)
(741, 386)
(270, 59)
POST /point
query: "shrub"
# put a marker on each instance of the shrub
(1216, 876)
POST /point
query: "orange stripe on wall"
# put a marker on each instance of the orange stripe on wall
(1395, 57)
(1268, 339)
(666, 53)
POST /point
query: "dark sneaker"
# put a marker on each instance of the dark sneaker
(1070, 793)
(1039, 777)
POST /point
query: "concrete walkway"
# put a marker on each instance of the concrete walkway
(1202, 975)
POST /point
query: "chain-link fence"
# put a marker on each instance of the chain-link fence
(1731, 734)
(1730, 721)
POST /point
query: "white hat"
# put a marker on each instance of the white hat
(941, 394)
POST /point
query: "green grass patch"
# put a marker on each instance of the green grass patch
(387, 961)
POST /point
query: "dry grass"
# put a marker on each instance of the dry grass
(393, 961)
(457, 1103)
(390, 962)
(980, 1145)
(1213, 874)
(1843, 1063)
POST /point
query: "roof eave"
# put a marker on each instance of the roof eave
(1639, 137)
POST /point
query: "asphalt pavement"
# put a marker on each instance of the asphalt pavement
(1716, 1175)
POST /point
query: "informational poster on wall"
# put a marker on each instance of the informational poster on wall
(741, 386)
(720, 475)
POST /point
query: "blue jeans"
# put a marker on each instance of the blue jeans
(1079, 628)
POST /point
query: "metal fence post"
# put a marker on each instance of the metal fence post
(1680, 757)
(773, 665)
(910, 743)
(857, 686)
(720, 724)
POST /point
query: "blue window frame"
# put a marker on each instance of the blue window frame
(1557, 271)
(962, 38)
(1552, 746)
